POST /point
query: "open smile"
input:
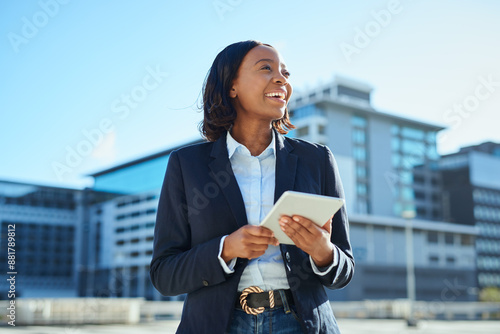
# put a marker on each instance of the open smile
(279, 96)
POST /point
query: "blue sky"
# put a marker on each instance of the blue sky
(117, 80)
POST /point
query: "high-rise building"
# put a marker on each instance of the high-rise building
(471, 191)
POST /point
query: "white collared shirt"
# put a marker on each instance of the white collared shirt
(256, 179)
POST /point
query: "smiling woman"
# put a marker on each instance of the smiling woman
(218, 92)
(237, 277)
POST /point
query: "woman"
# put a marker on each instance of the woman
(207, 240)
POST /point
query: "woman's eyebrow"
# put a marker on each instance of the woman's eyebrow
(264, 59)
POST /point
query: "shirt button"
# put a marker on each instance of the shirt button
(205, 283)
(287, 255)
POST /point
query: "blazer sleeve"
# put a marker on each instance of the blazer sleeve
(341, 274)
(177, 266)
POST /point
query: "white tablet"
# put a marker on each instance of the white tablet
(317, 208)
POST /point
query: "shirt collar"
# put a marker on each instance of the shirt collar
(233, 145)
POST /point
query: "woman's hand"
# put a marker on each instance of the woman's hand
(247, 242)
(311, 238)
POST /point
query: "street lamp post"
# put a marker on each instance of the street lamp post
(410, 267)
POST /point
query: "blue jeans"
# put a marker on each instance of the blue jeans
(279, 320)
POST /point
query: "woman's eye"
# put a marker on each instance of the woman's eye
(266, 67)
(286, 74)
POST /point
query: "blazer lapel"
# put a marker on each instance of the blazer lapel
(286, 166)
(222, 173)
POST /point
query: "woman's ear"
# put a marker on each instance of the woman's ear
(232, 93)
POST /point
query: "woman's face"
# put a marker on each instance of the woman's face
(261, 89)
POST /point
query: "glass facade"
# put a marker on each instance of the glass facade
(307, 111)
(360, 155)
(136, 178)
(487, 216)
(39, 197)
(310, 122)
(45, 220)
(411, 147)
(45, 250)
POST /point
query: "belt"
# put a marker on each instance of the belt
(254, 300)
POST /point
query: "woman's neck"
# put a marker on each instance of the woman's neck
(255, 138)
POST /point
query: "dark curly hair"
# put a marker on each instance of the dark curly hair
(218, 112)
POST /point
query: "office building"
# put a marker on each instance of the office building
(471, 191)
(46, 224)
(376, 151)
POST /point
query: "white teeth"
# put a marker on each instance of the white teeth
(276, 94)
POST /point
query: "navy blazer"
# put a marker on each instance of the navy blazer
(200, 202)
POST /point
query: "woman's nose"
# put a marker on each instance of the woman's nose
(280, 78)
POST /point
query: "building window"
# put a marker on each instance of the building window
(448, 239)
(358, 121)
(361, 187)
(151, 197)
(396, 144)
(396, 160)
(361, 172)
(413, 133)
(433, 259)
(347, 91)
(358, 136)
(359, 140)
(359, 153)
(306, 111)
(303, 131)
(362, 206)
(432, 237)
(419, 195)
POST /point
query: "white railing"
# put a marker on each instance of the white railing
(78, 311)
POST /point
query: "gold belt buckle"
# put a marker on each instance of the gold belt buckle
(251, 310)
